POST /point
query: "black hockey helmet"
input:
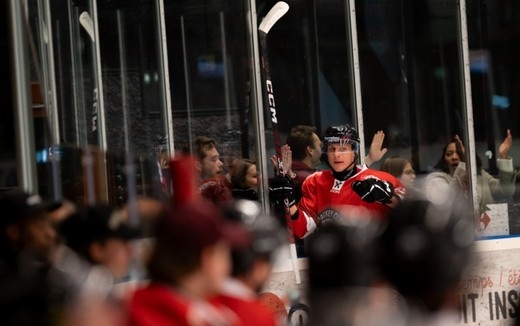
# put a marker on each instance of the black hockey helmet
(344, 134)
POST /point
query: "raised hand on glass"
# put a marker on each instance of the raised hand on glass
(459, 144)
(376, 152)
(504, 148)
(286, 161)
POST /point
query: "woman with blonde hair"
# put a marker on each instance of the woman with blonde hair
(402, 169)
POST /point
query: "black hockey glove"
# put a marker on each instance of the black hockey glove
(281, 190)
(374, 190)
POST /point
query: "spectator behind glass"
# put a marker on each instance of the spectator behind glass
(305, 145)
(27, 276)
(402, 169)
(490, 189)
(244, 179)
(161, 173)
(452, 155)
(190, 260)
(212, 184)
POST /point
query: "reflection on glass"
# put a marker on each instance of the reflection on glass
(411, 78)
(410, 74)
(494, 66)
(209, 76)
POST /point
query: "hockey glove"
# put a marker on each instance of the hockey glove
(281, 190)
(374, 190)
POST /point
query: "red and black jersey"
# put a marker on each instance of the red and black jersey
(324, 197)
(216, 190)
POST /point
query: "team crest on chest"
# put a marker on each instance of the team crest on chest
(336, 186)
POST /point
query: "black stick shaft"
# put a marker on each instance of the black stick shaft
(269, 101)
(270, 105)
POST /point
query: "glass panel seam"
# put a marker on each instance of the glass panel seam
(467, 101)
(26, 167)
(51, 102)
(353, 63)
(257, 109)
(163, 50)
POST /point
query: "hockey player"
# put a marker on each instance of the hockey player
(346, 189)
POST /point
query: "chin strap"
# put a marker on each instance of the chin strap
(346, 173)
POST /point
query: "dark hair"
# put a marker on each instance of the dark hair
(443, 166)
(299, 138)
(201, 144)
(441, 163)
(239, 172)
(169, 263)
(347, 260)
(95, 223)
(394, 165)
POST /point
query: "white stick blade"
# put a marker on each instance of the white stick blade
(278, 10)
(88, 25)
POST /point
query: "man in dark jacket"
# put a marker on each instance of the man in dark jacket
(29, 294)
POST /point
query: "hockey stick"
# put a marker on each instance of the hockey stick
(276, 12)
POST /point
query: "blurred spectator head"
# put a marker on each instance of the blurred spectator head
(343, 255)
(26, 224)
(195, 239)
(101, 233)
(343, 272)
(253, 263)
(425, 249)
